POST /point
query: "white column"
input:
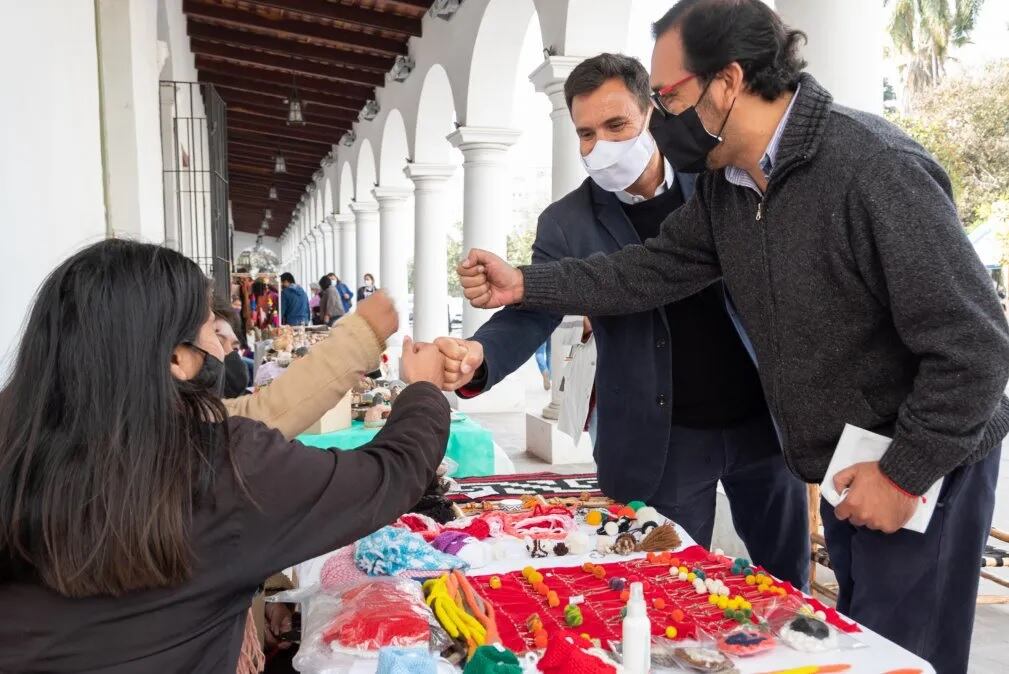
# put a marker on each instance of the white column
(368, 242)
(431, 207)
(833, 26)
(395, 222)
(567, 174)
(348, 249)
(303, 259)
(334, 254)
(320, 249)
(313, 258)
(487, 192)
(329, 236)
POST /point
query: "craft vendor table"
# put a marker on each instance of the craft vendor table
(470, 445)
(879, 655)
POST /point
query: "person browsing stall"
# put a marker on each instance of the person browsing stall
(804, 200)
(679, 404)
(294, 305)
(136, 520)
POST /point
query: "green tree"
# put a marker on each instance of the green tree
(923, 32)
(963, 122)
(520, 246)
(453, 257)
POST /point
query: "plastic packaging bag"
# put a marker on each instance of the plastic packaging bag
(798, 626)
(359, 619)
(746, 640)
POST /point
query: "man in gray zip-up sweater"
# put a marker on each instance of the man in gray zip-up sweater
(859, 293)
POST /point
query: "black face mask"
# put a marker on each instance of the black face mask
(683, 140)
(236, 375)
(210, 376)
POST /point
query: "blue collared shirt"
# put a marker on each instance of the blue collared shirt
(740, 177)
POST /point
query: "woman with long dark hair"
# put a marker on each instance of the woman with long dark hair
(136, 520)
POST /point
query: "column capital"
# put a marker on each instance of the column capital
(363, 207)
(468, 138)
(549, 76)
(428, 173)
(384, 195)
(342, 218)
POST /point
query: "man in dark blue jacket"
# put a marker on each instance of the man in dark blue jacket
(294, 308)
(679, 402)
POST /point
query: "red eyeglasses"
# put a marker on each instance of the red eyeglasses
(660, 93)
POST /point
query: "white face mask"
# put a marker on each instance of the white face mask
(616, 165)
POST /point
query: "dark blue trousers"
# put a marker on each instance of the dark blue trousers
(768, 503)
(919, 590)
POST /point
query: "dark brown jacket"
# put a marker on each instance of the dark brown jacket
(307, 503)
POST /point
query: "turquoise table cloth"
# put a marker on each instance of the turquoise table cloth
(469, 444)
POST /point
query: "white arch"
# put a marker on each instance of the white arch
(435, 117)
(326, 196)
(393, 151)
(494, 62)
(345, 190)
(365, 180)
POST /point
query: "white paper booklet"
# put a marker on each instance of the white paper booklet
(858, 445)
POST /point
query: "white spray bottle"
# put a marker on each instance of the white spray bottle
(637, 634)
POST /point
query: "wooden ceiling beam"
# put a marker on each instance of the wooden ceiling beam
(295, 66)
(267, 152)
(309, 128)
(355, 92)
(313, 114)
(279, 91)
(244, 173)
(263, 23)
(366, 18)
(276, 144)
(325, 140)
(288, 47)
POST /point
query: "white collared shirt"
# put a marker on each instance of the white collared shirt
(667, 182)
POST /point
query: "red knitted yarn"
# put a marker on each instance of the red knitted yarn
(478, 529)
(563, 656)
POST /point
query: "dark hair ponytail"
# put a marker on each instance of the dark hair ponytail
(716, 33)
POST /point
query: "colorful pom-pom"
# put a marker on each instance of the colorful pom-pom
(636, 505)
(573, 616)
(535, 577)
(588, 567)
(625, 596)
(670, 632)
(617, 584)
(593, 518)
(553, 601)
(659, 603)
(599, 572)
(526, 571)
(540, 639)
(495, 583)
(678, 615)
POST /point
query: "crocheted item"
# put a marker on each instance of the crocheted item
(395, 552)
(565, 656)
(451, 542)
(479, 527)
(406, 661)
(493, 660)
(251, 659)
(379, 613)
(340, 569)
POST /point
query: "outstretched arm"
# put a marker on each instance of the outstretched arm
(676, 264)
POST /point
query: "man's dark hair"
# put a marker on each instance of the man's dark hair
(287, 276)
(325, 282)
(222, 309)
(716, 33)
(590, 74)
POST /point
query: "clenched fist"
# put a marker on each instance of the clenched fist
(422, 361)
(488, 282)
(462, 358)
(380, 313)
